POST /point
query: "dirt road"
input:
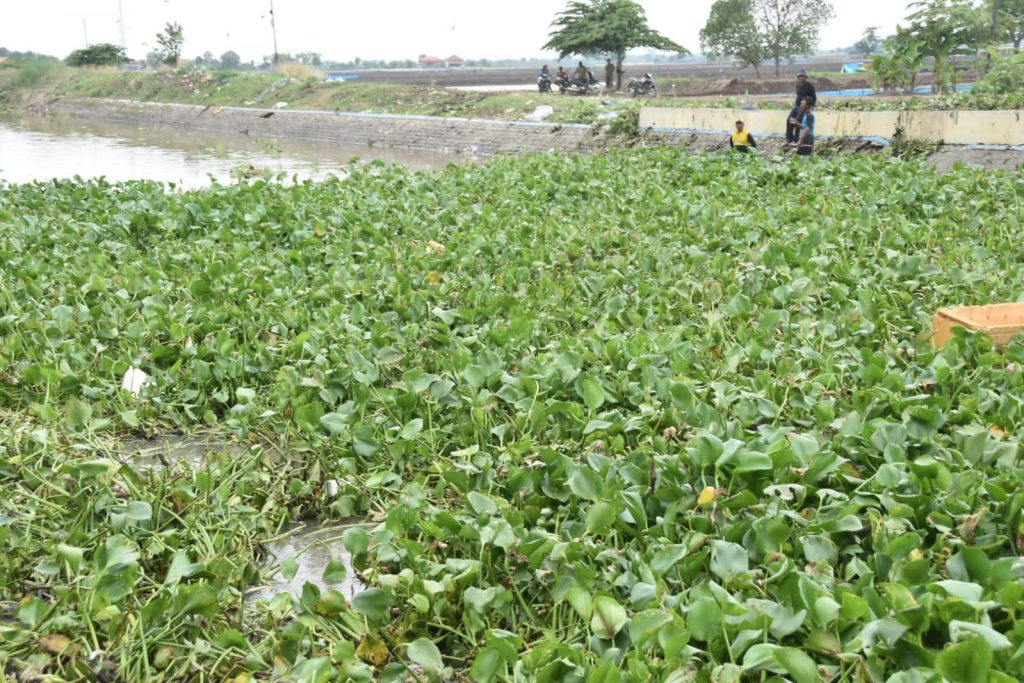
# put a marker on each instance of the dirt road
(508, 76)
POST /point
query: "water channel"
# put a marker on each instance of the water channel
(39, 149)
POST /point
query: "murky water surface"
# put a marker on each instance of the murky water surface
(37, 148)
(314, 547)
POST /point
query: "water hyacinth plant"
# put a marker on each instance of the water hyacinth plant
(631, 416)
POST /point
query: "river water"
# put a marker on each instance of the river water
(37, 148)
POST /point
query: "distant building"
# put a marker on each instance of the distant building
(456, 61)
(431, 62)
(3, 59)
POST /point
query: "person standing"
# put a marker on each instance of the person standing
(742, 140)
(609, 75)
(804, 91)
(805, 143)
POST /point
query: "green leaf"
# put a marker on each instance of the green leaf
(334, 423)
(798, 665)
(728, 559)
(963, 630)
(139, 511)
(487, 665)
(647, 623)
(479, 599)
(704, 619)
(592, 392)
(307, 416)
(181, 568)
(116, 556)
(481, 504)
(70, 554)
(585, 484)
(965, 662)
(600, 517)
(356, 541)
(667, 558)
(335, 571)
(289, 568)
(580, 601)
(411, 429)
(373, 603)
(79, 413)
(609, 617)
(424, 653)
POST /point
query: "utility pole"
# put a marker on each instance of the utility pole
(273, 27)
(85, 31)
(120, 24)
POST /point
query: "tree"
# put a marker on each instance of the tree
(789, 27)
(869, 43)
(1007, 21)
(897, 66)
(732, 32)
(171, 40)
(943, 29)
(230, 60)
(100, 54)
(608, 27)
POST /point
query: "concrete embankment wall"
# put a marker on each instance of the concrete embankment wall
(946, 127)
(473, 136)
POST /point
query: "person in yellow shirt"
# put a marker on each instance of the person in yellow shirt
(742, 140)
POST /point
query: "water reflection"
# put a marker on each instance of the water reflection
(38, 148)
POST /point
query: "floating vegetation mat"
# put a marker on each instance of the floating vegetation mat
(638, 416)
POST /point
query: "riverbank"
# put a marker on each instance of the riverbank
(35, 85)
(472, 138)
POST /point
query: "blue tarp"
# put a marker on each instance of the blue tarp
(853, 67)
(343, 77)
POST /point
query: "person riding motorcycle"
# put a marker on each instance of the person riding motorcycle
(544, 72)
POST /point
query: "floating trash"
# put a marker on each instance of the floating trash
(133, 381)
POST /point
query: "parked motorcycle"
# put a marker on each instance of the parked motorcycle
(570, 87)
(643, 87)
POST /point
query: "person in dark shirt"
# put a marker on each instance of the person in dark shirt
(609, 75)
(805, 143)
(804, 91)
(742, 140)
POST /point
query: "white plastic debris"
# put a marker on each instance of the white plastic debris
(540, 113)
(280, 105)
(133, 381)
(331, 488)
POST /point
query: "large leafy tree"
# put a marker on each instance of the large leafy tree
(944, 29)
(230, 60)
(171, 40)
(99, 54)
(1007, 21)
(869, 43)
(608, 27)
(732, 32)
(790, 27)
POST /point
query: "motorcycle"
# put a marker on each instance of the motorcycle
(544, 83)
(643, 87)
(568, 86)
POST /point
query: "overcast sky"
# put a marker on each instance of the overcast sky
(375, 29)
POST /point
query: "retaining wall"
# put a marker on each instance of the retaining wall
(947, 127)
(475, 136)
